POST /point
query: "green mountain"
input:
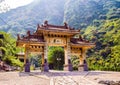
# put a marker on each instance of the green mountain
(98, 19)
(106, 54)
(27, 17)
(82, 13)
(78, 14)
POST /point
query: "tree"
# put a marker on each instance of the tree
(56, 57)
(9, 50)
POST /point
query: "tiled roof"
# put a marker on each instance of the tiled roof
(47, 26)
(32, 38)
(79, 41)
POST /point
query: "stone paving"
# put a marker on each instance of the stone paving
(15, 78)
(57, 78)
(70, 78)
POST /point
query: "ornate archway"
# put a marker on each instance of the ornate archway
(52, 35)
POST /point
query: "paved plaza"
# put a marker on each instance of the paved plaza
(57, 78)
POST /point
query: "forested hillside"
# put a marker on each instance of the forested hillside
(99, 21)
(78, 14)
(106, 54)
(82, 13)
(27, 17)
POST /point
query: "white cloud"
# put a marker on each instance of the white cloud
(17, 3)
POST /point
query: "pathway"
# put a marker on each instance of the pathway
(57, 78)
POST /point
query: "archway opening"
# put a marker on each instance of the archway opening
(75, 62)
(35, 61)
(56, 57)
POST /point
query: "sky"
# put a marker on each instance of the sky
(17, 3)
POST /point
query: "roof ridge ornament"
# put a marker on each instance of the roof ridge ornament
(38, 26)
(66, 25)
(80, 38)
(28, 33)
(46, 22)
(18, 37)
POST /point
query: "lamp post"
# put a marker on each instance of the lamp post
(58, 59)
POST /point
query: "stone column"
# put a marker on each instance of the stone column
(83, 64)
(27, 66)
(67, 51)
(26, 60)
(45, 65)
(25, 56)
(43, 60)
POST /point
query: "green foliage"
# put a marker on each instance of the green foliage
(56, 57)
(116, 52)
(106, 54)
(75, 62)
(11, 60)
(35, 60)
(8, 47)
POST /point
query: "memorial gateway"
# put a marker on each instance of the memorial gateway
(52, 35)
